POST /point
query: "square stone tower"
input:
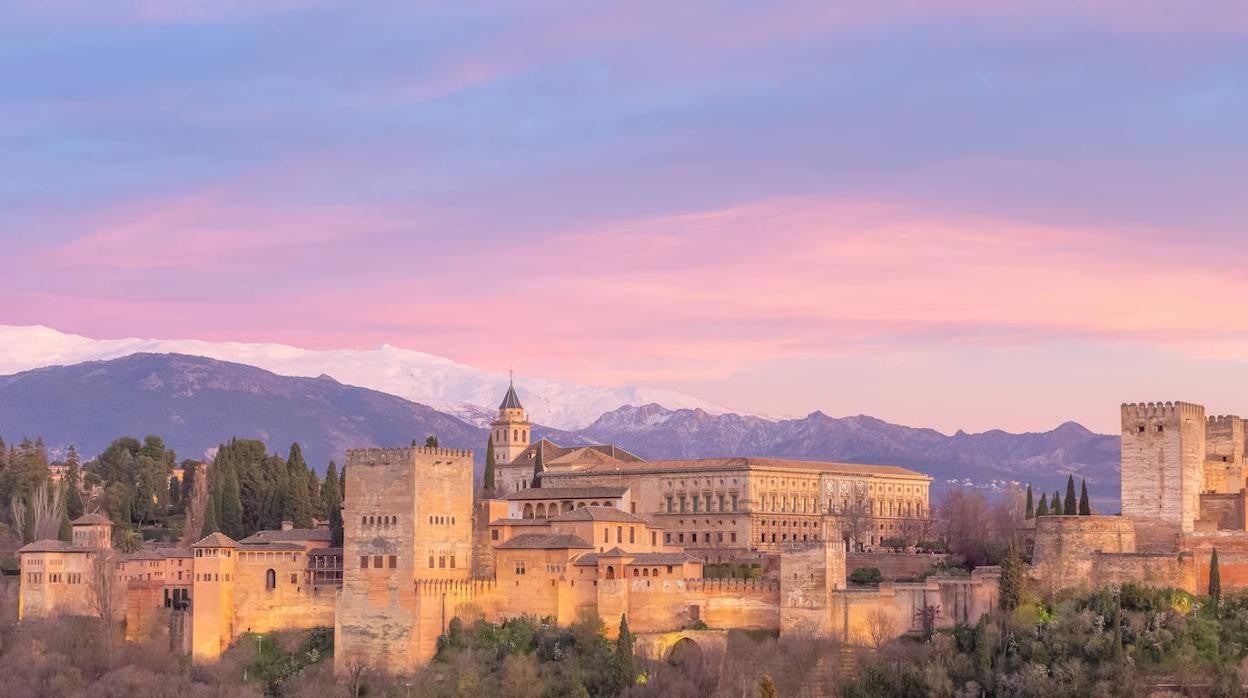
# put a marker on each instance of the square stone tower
(1163, 470)
(407, 517)
(1224, 459)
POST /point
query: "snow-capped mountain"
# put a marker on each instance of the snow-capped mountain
(436, 381)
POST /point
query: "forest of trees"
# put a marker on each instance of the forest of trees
(244, 489)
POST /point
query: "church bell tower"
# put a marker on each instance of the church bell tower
(511, 429)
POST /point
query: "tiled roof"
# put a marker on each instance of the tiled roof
(510, 400)
(587, 560)
(545, 541)
(91, 520)
(520, 522)
(321, 552)
(215, 540)
(552, 453)
(600, 514)
(294, 534)
(663, 559)
(269, 545)
(751, 463)
(143, 553)
(617, 551)
(49, 545)
(566, 493)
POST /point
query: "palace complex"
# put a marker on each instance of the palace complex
(567, 531)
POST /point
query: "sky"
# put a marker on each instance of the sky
(964, 215)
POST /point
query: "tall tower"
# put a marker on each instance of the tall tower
(511, 429)
(1163, 462)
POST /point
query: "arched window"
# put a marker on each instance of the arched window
(610, 572)
(636, 572)
(541, 511)
(645, 572)
(270, 580)
(515, 434)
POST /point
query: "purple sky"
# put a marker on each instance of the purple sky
(982, 215)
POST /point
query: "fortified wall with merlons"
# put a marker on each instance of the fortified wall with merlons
(1183, 496)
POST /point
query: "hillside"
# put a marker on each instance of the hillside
(195, 403)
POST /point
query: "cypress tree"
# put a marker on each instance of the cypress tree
(298, 509)
(190, 471)
(231, 519)
(1031, 509)
(1215, 580)
(1055, 506)
(331, 494)
(538, 467)
(210, 520)
(65, 532)
(1043, 508)
(431, 441)
(487, 483)
(73, 485)
(1011, 581)
(1072, 504)
(1085, 508)
(624, 653)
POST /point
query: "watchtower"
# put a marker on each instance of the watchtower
(512, 428)
(1163, 463)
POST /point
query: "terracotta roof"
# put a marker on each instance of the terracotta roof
(520, 522)
(589, 454)
(294, 534)
(752, 463)
(601, 514)
(269, 545)
(588, 559)
(49, 545)
(143, 554)
(215, 540)
(617, 551)
(566, 493)
(323, 552)
(91, 520)
(663, 559)
(545, 541)
(177, 552)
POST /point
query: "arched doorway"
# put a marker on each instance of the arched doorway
(528, 511)
(685, 650)
(610, 572)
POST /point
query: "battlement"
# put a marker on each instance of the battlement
(1223, 420)
(1135, 411)
(405, 454)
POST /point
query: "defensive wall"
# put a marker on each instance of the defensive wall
(892, 566)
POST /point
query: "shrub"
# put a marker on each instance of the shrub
(866, 576)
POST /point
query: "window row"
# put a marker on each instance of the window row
(784, 537)
(379, 561)
(699, 503)
(213, 577)
(707, 537)
(383, 521)
(441, 520)
(442, 561)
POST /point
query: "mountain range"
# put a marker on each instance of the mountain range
(449, 387)
(196, 402)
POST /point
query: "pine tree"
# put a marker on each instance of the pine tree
(1031, 509)
(487, 483)
(1010, 584)
(1072, 504)
(1085, 508)
(1042, 509)
(624, 662)
(331, 494)
(431, 441)
(539, 466)
(1215, 580)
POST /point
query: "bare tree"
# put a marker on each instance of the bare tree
(856, 521)
(104, 586)
(38, 516)
(881, 627)
(927, 616)
(357, 671)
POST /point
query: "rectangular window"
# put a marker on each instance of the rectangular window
(619, 534)
(734, 502)
(670, 505)
(452, 562)
(708, 502)
(377, 561)
(719, 537)
(632, 535)
(682, 505)
(697, 503)
(606, 536)
(363, 562)
(667, 538)
(294, 577)
(494, 534)
(733, 536)
(430, 562)
(693, 538)
(721, 502)
(654, 539)
(394, 561)
(680, 538)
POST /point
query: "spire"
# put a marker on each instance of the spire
(510, 400)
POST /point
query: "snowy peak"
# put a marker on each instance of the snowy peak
(436, 381)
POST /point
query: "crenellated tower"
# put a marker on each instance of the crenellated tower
(1163, 470)
(512, 428)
